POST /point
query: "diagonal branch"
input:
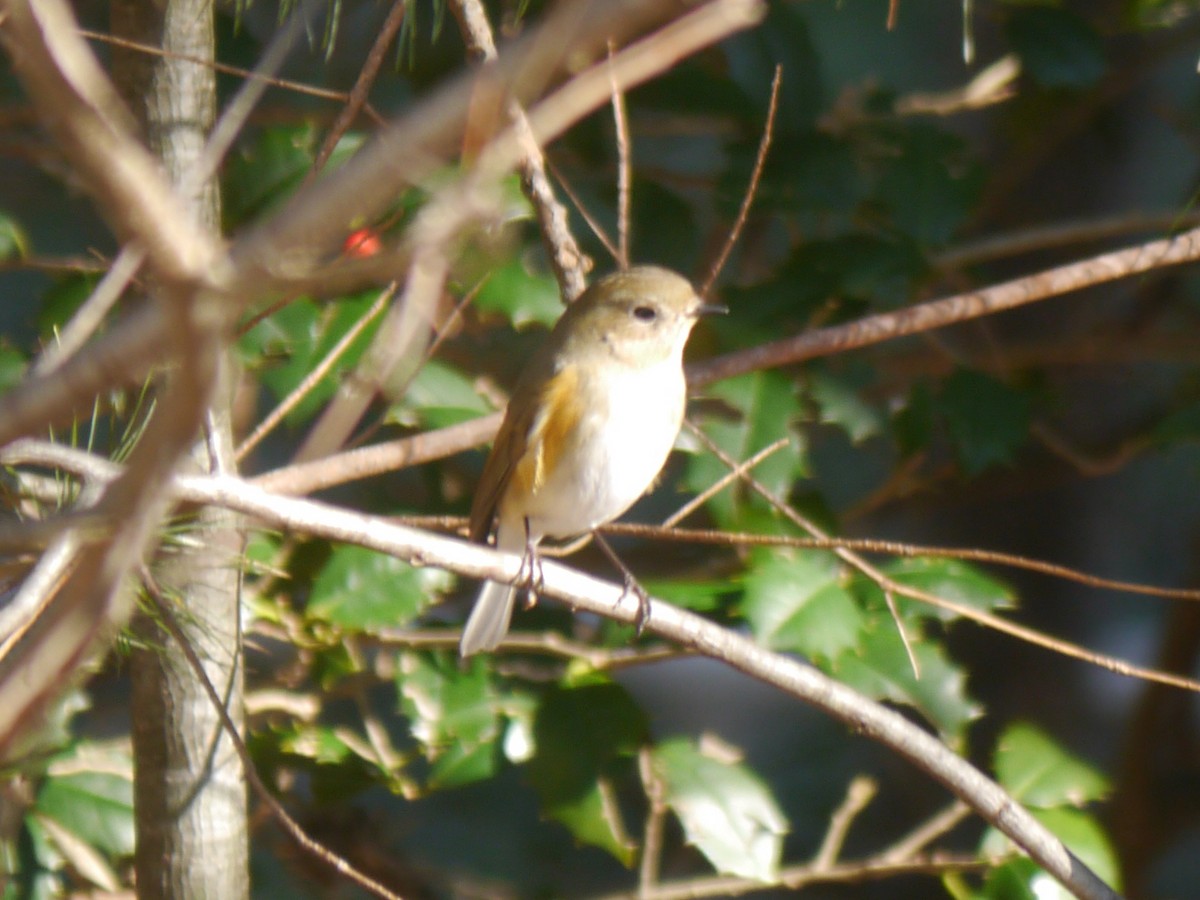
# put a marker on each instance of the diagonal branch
(948, 311)
(862, 715)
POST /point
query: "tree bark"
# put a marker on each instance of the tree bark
(189, 789)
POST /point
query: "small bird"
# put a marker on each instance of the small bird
(590, 424)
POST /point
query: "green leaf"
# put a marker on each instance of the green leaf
(584, 736)
(362, 589)
(454, 712)
(520, 295)
(929, 185)
(726, 811)
(318, 743)
(950, 579)
(796, 600)
(438, 396)
(880, 668)
(768, 408)
(263, 173)
(988, 420)
(287, 345)
(1082, 835)
(97, 806)
(839, 398)
(1038, 772)
(1057, 48)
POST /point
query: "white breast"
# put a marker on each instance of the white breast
(616, 452)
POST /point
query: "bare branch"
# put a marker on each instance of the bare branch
(760, 159)
(581, 591)
(92, 127)
(951, 310)
(566, 259)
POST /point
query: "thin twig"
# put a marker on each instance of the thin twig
(283, 83)
(357, 98)
(981, 617)
(760, 159)
(289, 825)
(861, 791)
(91, 314)
(728, 478)
(958, 308)
(314, 377)
(569, 263)
(895, 548)
(656, 817)
(624, 164)
(867, 717)
(794, 878)
(591, 221)
(101, 471)
(925, 833)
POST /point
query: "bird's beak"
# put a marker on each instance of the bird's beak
(711, 309)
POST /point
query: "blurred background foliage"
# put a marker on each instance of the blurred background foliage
(1065, 431)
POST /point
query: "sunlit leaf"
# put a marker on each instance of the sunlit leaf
(520, 295)
(949, 579)
(767, 411)
(454, 712)
(701, 595)
(880, 668)
(726, 811)
(1038, 772)
(96, 806)
(360, 588)
(438, 396)
(796, 600)
(840, 401)
(285, 347)
(1082, 835)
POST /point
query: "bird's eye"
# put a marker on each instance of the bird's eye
(645, 313)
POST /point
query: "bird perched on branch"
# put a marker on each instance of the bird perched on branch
(591, 421)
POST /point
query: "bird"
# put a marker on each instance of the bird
(591, 421)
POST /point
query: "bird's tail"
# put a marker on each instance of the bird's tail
(488, 622)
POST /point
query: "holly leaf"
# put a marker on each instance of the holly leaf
(1038, 772)
(987, 419)
(287, 345)
(363, 589)
(1021, 877)
(950, 579)
(438, 396)
(767, 410)
(585, 735)
(796, 600)
(880, 668)
(93, 802)
(455, 713)
(520, 295)
(726, 811)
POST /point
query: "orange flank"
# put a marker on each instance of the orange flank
(560, 413)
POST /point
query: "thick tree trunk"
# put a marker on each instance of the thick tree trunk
(190, 794)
